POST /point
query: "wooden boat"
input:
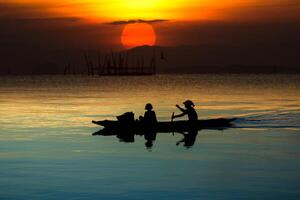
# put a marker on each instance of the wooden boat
(116, 127)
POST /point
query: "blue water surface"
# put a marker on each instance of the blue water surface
(47, 151)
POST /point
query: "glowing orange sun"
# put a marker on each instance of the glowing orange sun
(138, 34)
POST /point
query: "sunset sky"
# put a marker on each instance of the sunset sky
(61, 25)
(171, 12)
(190, 10)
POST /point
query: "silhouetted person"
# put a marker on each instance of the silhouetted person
(189, 111)
(189, 138)
(149, 122)
(149, 118)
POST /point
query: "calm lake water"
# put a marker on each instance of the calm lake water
(47, 151)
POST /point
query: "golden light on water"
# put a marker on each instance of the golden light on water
(75, 105)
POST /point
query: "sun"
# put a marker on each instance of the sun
(138, 34)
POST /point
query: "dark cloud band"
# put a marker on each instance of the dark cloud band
(138, 21)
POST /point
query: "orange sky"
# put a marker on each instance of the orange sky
(180, 10)
(34, 33)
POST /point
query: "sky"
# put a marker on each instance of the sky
(188, 10)
(44, 31)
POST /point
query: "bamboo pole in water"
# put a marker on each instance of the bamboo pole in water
(87, 63)
(92, 66)
(99, 63)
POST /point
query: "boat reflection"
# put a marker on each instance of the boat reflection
(128, 136)
(189, 138)
(125, 130)
(150, 137)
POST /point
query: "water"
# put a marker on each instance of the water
(47, 151)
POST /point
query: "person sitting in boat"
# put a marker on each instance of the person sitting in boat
(149, 121)
(189, 111)
(149, 117)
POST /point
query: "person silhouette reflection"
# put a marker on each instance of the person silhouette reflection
(149, 122)
(188, 138)
(150, 137)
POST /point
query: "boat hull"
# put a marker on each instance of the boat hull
(115, 127)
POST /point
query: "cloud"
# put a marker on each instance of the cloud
(42, 20)
(138, 21)
(13, 10)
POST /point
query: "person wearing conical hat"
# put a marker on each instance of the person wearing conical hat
(189, 111)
